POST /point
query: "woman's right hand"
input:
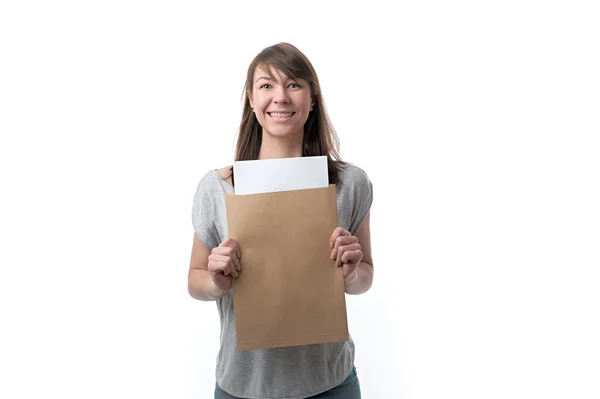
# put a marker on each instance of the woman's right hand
(224, 263)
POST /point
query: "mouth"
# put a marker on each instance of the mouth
(280, 115)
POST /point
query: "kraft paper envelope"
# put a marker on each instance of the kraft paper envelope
(289, 292)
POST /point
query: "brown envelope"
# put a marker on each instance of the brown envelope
(289, 291)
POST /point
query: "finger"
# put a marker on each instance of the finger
(233, 268)
(354, 256)
(225, 242)
(237, 249)
(228, 252)
(212, 268)
(224, 261)
(342, 240)
(231, 243)
(217, 267)
(226, 269)
(336, 233)
(238, 264)
(214, 262)
(229, 259)
(233, 255)
(345, 248)
(351, 246)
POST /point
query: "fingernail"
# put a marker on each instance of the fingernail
(332, 255)
(331, 244)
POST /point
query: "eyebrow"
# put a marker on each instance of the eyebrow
(267, 78)
(262, 77)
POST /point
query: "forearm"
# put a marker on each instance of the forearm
(202, 287)
(360, 281)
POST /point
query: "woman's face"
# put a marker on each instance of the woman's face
(281, 105)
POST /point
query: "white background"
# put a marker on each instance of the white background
(477, 123)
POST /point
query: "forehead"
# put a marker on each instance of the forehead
(270, 72)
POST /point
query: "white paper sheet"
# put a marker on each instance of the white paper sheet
(282, 174)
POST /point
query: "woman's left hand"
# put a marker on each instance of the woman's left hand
(345, 250)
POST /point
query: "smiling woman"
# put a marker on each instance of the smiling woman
(281, 79)
(283, 117)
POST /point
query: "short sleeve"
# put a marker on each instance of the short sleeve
(362, 193)
(203, 212)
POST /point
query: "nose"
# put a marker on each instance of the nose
(281, 97)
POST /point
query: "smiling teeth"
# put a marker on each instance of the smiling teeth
(279, 115)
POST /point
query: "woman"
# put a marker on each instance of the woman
(283, 116)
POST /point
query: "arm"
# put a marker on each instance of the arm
(359, 281)
(202, 284)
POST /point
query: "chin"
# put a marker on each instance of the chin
(279, 131)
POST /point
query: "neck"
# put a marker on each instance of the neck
(280, 147)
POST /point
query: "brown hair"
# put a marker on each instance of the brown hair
(319, 136)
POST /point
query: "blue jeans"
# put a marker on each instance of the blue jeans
(349, 389)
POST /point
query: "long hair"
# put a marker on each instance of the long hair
(319, 136)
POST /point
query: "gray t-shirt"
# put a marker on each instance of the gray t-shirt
(290, 372)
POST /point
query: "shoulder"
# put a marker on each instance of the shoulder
(354, 196)
(352, 175)
(212, 181)
(226, 173)
(353, 183)
(216, 175)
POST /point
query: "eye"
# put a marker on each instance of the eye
(295, 84)
(266, 84)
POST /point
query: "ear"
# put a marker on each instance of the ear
(249, 95)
